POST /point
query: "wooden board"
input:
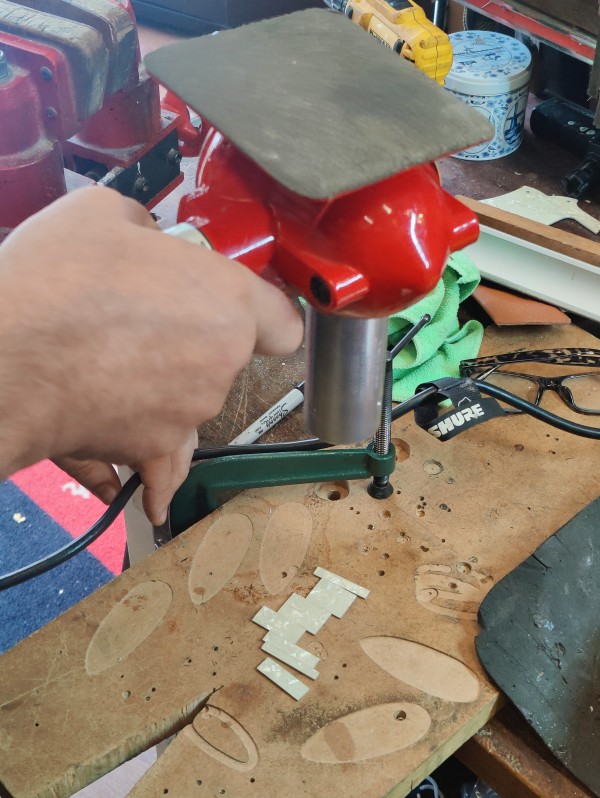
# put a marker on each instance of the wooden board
(577, 13)
(575, 246)
(509, 757)
(135, 659)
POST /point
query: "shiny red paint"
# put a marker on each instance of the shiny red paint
(31, 165)
(47, 120)
(371, 252)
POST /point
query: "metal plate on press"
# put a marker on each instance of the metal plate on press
(314, 101)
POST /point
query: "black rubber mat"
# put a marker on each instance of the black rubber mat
(317, 102)
(540, 642)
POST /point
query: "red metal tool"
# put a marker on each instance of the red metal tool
(316, 166)
(356, 259)
(370, 252)
(73, 92)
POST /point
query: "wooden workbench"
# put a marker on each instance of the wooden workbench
(133, 662)
(399, 688)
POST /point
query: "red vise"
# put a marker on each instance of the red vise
(73, 94)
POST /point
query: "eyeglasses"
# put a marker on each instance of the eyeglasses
(581, 392)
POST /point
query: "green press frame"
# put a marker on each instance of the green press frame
(210, 480)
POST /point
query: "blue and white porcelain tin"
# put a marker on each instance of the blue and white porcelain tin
(491, 73)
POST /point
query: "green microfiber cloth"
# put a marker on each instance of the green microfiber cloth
(438, 348)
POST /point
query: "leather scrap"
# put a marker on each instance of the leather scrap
(316, 103)
(507, 309)
(540, 639)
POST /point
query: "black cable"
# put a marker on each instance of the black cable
(409, 404)
(553, 420)
(82, 542)
(106, 519)
(307, 445)
(311, 444)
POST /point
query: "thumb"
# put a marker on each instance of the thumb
(279, 327)
(162, 476)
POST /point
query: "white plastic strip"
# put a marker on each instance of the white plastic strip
(282, 678)
(284, 627)
(335, 599)
(306, 613)
(538, 271)
(339, 580)
(291, 654)
(265, 617)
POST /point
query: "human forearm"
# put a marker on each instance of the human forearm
(116, 340)
(26, 401)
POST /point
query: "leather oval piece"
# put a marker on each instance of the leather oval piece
(218, 556)
(127, 625)
(368, 733)
(422, 667)
(220, 736)
(284, 545)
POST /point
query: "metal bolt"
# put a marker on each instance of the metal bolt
(46, 74)
(380, 487)
(383, 435)
(174, 156)
(4, 71)
(141, 185)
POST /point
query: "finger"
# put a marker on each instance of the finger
(156, 478)
(123, 207)
(99, 478)
(162, 477)
(103, 202)
(279, 328)
(181, 461)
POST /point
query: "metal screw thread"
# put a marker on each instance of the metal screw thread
(380, 487)
(383, 435)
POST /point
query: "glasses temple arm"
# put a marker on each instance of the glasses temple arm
(542, 415)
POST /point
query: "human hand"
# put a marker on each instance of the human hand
(160, 477)
(116, 340)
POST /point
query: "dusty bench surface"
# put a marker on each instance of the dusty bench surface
(171, 642)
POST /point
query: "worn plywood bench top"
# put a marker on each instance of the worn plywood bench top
(399, 687)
